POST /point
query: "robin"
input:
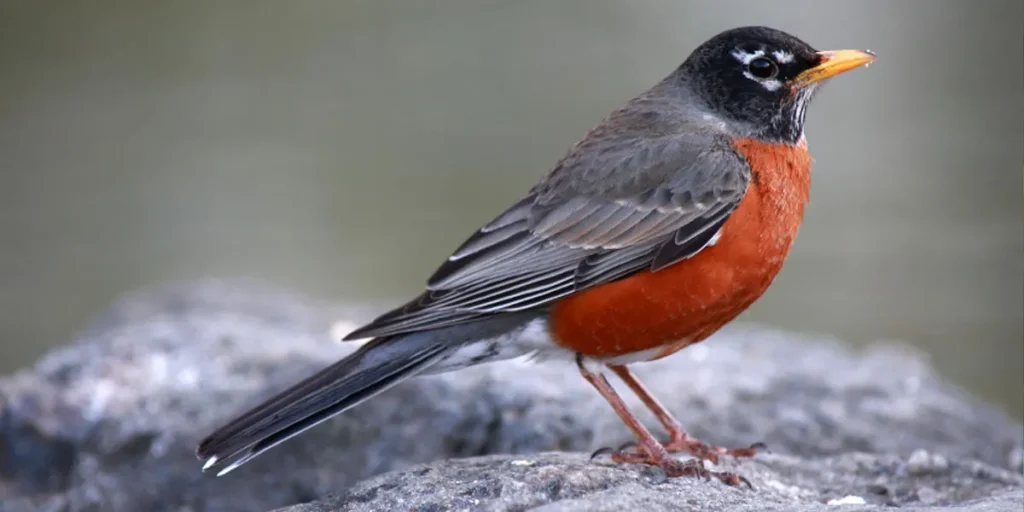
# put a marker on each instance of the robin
(666, 221)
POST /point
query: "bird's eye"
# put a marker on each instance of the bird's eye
(763, 68)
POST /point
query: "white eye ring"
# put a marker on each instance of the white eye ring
(746, 58)
(782, 56)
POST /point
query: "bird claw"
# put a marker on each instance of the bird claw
(710, 453)
(676, 468)
(633, 452)
(760, 446)
(733, 479)
(605, 450)
(695, 467)
(628, 445)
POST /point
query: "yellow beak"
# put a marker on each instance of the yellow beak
(833, 63)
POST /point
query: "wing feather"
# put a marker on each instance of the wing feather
(638, 204)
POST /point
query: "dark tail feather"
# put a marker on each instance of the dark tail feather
(376, 366)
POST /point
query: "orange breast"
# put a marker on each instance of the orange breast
(691, 299)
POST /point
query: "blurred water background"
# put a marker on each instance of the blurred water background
(342, 149)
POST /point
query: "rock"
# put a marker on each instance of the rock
(110, 422)
(922, 463)
(559, 482)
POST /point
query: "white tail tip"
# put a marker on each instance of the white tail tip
(232, 466)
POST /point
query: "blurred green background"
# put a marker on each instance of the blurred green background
(342, 149)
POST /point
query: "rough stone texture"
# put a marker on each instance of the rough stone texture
(559, 482)
(110, 422)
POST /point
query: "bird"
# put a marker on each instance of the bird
(669, 218)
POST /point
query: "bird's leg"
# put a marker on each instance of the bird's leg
(679, 440)
(650, 450)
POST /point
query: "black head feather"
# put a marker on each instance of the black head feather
(744, 75)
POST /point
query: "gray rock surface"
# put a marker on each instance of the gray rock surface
(559, 482)
(110, 422)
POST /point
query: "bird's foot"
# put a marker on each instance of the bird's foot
(702, 450)
(633, 453)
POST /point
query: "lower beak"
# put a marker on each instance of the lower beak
(833, 63)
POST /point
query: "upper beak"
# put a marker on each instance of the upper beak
(833, 63)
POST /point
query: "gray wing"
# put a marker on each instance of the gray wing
(620, 202)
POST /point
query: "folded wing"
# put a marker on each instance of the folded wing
(617, 204)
